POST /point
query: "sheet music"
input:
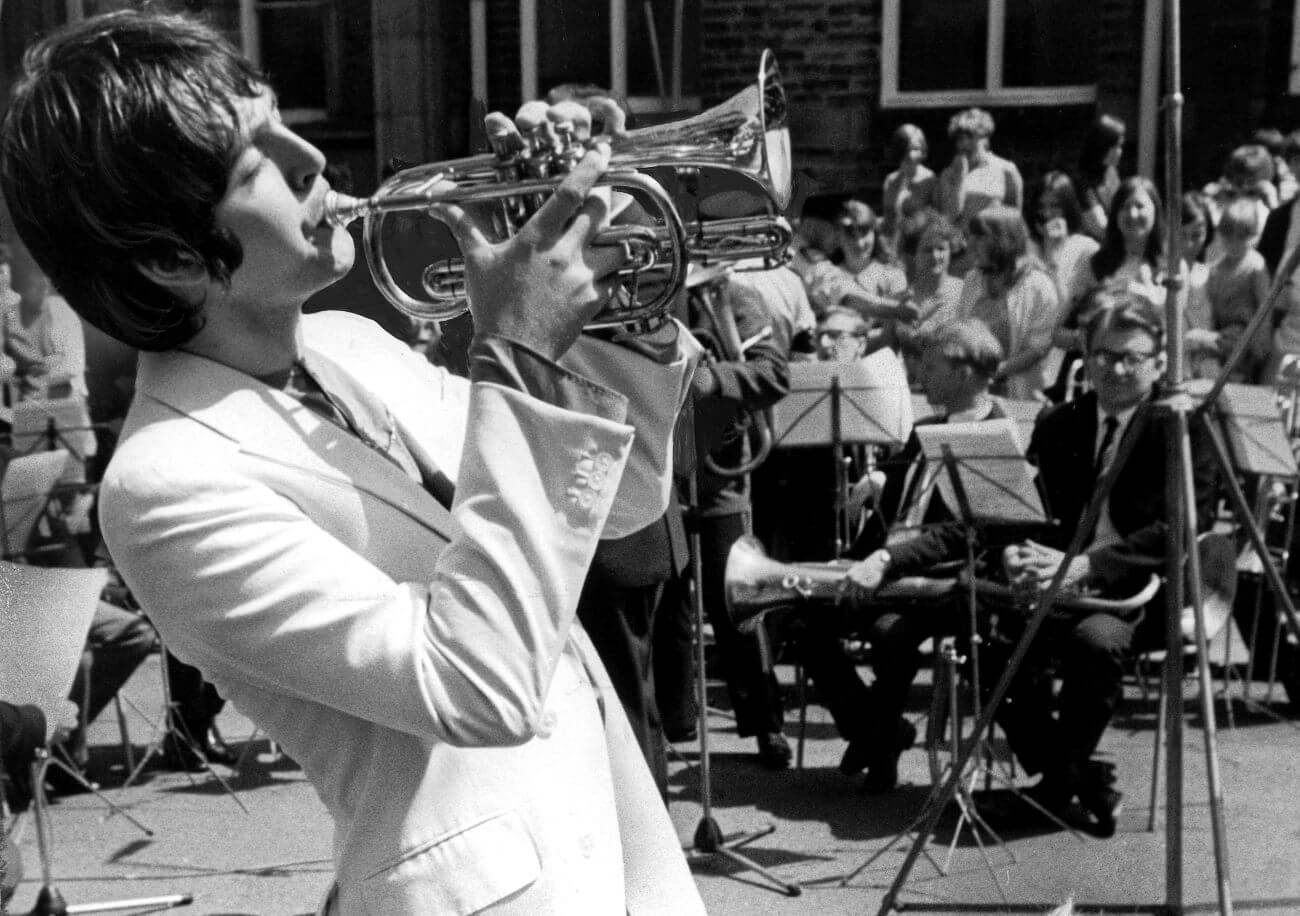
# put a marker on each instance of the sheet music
(875, 403)
(27, 482)
(999, 483)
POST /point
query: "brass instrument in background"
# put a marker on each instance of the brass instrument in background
(755, 423)
(755, 584)
(745, 136)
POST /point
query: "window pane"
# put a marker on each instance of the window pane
(941, 44)
(1050, 43)
(293, 52)
(641, 76)
(572, 43)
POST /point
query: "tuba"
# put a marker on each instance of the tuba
(754, 423)
(745, 136)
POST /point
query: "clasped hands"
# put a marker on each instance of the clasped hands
(540, 286)
(1030, 566)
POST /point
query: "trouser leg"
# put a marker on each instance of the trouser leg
(118, 642)
(673, 658)
(755, 694)
(620, 622)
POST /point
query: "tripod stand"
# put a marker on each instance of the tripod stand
(173, 725)
(709, 840)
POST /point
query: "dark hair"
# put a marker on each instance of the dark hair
(1007, 234)
(854, 212)
(967, 342)
(1270, 138)
(1247, 165)
(1058, 189)
(1103, 135)
(1291, 145)
(902, 139)
(115, 151)
(1107, 310)
(1194, 205)
(916, 228)
(974, 121)
(1110, 256)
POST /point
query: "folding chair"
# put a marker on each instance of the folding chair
(45, 613)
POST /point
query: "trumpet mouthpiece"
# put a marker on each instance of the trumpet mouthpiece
(341, 209)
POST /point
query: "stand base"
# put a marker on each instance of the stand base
(709, 840)
(49, 902)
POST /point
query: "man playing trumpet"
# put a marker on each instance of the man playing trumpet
(277, 500)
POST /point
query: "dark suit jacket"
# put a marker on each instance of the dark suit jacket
(1272, 243)
(1063, 446)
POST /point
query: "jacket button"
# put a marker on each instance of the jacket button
(546, 727)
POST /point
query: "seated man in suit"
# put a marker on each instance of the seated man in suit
(958, 362)
(1073, 445)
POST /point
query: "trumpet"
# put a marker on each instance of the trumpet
(745, 136)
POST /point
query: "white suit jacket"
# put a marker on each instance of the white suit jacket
(424, 670)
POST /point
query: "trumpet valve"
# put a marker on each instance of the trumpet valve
(445, 280)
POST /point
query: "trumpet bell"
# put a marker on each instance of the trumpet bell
(754, 584)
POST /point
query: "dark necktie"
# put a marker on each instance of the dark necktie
(1108, 437)
(333, 394)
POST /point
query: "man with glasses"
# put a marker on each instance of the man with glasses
(841, 336)
(1073, 445)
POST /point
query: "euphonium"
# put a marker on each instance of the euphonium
(754, 584)
(745, 135)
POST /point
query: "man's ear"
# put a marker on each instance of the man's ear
(182, 274)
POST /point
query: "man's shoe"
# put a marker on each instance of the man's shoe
(774, 751)
(857, 756)
(882, 776)
(682, 734)
(1100, 800)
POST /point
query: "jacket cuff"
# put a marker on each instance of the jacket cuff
(510, 364)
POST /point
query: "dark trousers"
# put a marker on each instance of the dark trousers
(895, 635)
(117, 643)
(197, 702)
(751, 684)
(674, 657)
(1088, 656)
(620, 622)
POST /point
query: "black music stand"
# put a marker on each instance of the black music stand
(836, 404)
(980, 470)
(1257, 442)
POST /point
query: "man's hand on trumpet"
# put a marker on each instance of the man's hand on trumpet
(1030, 565)
(865, 577)
(541, 285)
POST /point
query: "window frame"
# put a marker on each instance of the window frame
(250, 40)
(638, 104)
(993, 93)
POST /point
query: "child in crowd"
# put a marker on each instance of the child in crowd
(868, 281)
(1248, 173)
(1200, 338)
(910, 187)
(1236, 287)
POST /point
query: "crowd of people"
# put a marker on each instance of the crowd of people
(381, 561)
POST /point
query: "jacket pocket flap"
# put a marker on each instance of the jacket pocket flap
(458, 873)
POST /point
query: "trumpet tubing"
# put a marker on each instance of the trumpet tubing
(745, 136)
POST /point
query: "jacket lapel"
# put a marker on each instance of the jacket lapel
(273, 426)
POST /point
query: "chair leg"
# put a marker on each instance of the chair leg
(801, 678)
(128, 752)
(1155, 757)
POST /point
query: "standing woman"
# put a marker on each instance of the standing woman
(910, 187)
(1103, 146)
(1011, 292)
(977, 177)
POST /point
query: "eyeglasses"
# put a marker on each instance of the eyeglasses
(857, 229)
(1132, 360)
(837, 336)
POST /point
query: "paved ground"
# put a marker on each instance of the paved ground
(273, 859)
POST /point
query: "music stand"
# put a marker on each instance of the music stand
(980, 470)
(45, 614)
(1256, 440)
(25, 494)
(866, 402)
